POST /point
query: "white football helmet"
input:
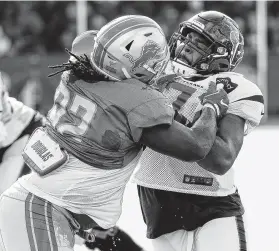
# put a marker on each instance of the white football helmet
(131, 46)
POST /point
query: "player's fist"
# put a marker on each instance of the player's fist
(218, 99)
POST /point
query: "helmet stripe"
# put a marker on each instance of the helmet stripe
(119, 25)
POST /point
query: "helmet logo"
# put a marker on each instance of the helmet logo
(204, 66)
(150, 51)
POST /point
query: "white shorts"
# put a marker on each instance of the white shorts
(29, 223)
(222, 234)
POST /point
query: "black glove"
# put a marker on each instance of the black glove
(88, 236)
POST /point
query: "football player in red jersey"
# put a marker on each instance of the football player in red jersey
(114, 238)
(196, 206)
(105, 109)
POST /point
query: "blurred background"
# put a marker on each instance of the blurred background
(33, 35)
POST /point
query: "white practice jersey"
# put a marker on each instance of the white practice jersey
(16, 121)
(159, 171)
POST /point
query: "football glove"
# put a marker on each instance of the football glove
(217, 99)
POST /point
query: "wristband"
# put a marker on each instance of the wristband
(208, 105)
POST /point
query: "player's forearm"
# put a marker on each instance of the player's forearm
(181, 142)
(205, 129)
(220, 159)
(226, 147)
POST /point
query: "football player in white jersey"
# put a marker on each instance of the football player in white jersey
(17, 122)
(105, 109)
(196, 206)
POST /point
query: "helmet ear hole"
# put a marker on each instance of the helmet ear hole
(128, 46)
(224, 66)
(148, 34)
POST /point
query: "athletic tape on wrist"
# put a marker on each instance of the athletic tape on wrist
(213, 107)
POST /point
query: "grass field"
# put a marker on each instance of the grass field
(257, 178)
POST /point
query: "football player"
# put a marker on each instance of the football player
(105, 109)
(196, 206)
(17, 122)
(114, 238)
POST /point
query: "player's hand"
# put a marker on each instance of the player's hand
(217, 99)
(164, 81)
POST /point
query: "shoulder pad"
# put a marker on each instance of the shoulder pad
(229, 74)
(136, 94)
(246, 99)
(238, 87)
(228, 80)
(147, 106)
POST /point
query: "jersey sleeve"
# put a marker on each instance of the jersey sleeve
(246, 100)
(151, 113)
